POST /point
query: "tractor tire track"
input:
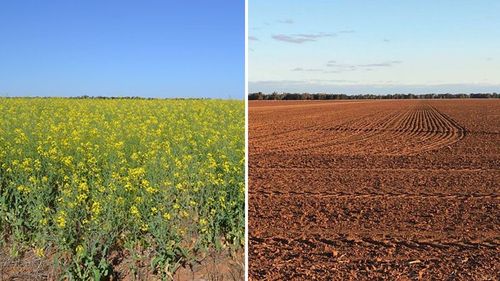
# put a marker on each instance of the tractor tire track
(375, 195)
(386, 243)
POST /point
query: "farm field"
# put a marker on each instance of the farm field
(123, 189)
(364, 190)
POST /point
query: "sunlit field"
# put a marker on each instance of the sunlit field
(159, 181)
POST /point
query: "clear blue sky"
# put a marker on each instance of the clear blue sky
(141, 48)
(382, 46)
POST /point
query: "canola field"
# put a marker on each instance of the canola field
(84, 179)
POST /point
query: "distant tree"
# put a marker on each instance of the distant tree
(326, 96)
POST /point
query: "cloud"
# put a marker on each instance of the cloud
(272, 83)
(302, 37)
(287, 21)
(329, 81)
(291, 39)
(351, 67)
(340, 67)
(382, 64)
(307, 69)
(315, 36)
(332, 71)
(334, 67)
(253, 38)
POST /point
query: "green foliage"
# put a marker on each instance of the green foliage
(159, 179)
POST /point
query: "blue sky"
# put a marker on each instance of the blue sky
(379, 47)
(122, 48)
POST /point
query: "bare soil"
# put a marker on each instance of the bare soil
(364, 190)
(222, 266)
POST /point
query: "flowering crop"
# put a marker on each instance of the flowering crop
(158, 179)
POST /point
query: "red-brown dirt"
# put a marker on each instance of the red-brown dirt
(364, 190)
(213, 266)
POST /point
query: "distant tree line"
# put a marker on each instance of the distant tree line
(103, 98)
(109, 98)
(324, 96)
(133, 98)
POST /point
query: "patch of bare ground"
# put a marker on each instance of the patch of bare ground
(212, 266)
(26, 266)
(396, 190)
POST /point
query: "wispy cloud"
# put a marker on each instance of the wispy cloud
(332, 71)
(253, 38)
(382, 64)
(291, 39)
(329, 81)
(338, 67)
(315, 35)
(302, 37)
(307, 69)
(335, 67)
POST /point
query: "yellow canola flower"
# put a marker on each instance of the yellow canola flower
(39, 252)
(184, 214)
(79, 250)
(61, 219)
(129, 186)
(119, 145)
(134, 211)
(203, 225)
(81, 197)
(23, 189)
(68, 160)
(96, 209)
(167, 216)
(83, 187)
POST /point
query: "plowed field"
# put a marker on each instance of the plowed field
(401, 190)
